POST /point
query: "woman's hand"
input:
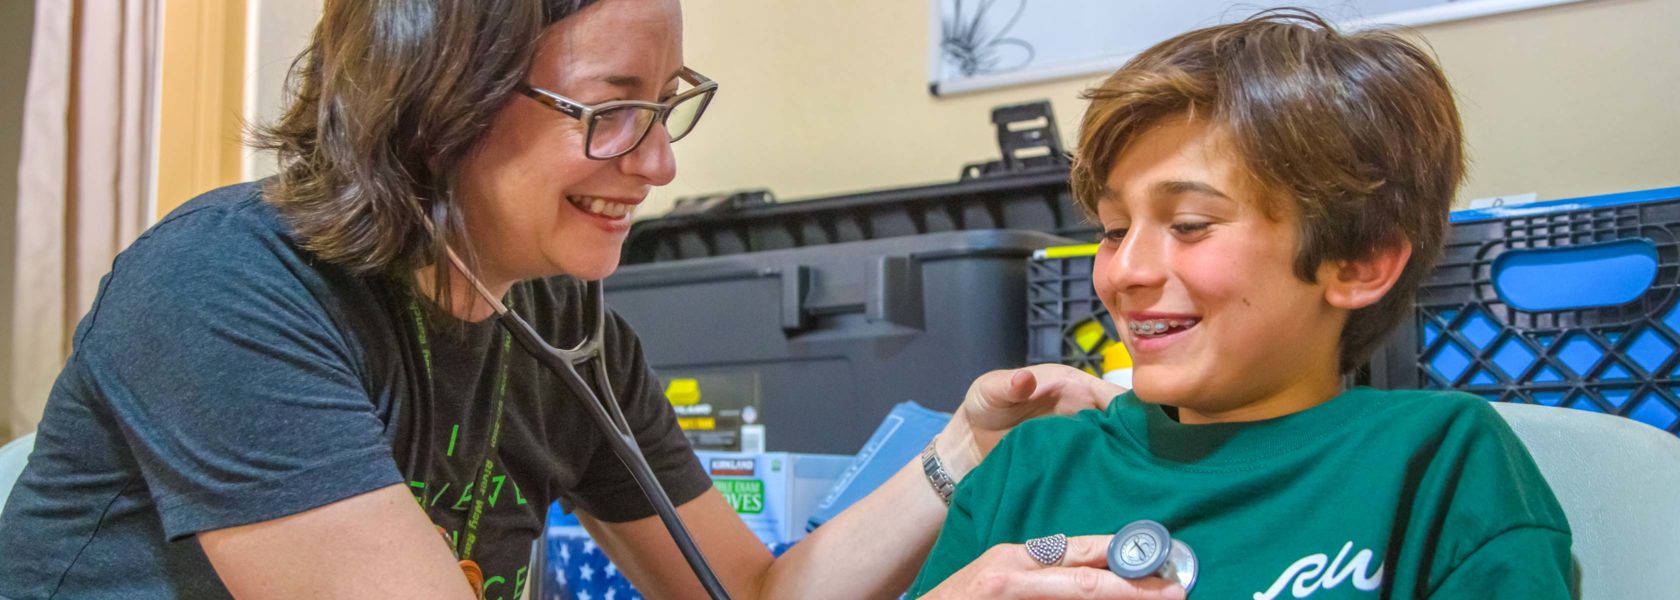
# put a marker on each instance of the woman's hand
(1000, 400)
(1007, 571)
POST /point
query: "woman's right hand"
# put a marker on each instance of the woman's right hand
(1007, 571)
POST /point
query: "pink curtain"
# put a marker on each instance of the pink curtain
(83, 177)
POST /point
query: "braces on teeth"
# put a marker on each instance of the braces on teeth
(1155, 327)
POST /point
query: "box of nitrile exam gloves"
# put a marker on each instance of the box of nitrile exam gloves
(774, 492)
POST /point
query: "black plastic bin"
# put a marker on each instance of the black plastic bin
(1036, 199)
(822, 341)
(1066, 322)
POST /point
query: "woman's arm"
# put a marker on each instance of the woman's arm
(872, 550)
(875, 547)
(375, 545)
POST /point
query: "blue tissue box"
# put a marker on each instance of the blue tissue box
(898, 440)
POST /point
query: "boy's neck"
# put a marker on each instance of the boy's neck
(1295, 396)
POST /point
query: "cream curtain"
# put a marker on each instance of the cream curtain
(83, 176)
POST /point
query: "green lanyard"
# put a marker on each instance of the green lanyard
(470, 537)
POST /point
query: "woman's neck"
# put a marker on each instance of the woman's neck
(464, 302)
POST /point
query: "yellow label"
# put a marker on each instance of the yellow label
(683, 392)
(1070, 251)
(1116, 357)
(1088, 334)
(697, 423)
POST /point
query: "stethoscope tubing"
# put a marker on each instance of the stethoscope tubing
(619, 435)
(620, 438)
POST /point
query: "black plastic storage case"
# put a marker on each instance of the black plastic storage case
(812, 319)
(1036, 199)
(822, 341)
(1026, 189)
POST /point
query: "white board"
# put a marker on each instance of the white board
(980, 44)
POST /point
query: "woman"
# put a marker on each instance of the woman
(285, 390)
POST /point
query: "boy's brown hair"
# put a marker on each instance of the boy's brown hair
(1355, 133)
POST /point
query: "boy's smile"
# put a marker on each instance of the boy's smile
(1202, 280)
(1148, 331)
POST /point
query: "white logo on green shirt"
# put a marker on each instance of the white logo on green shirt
(1312, 573)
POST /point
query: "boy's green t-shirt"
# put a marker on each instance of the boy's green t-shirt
(1393, 494)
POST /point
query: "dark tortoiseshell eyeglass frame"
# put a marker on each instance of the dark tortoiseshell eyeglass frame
(642, 115)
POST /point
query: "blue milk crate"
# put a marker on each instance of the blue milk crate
(1569, 303)
(574, 568)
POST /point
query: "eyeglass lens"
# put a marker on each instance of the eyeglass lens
(617, 130)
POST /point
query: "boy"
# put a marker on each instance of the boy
(1271, 192)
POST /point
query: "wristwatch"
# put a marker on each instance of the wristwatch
(936, 473)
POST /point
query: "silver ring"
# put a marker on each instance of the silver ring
(1047, 550)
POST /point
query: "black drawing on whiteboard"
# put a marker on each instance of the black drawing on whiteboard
(968, 44)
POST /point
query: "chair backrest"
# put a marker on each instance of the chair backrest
(13, 456)
(1619, 483)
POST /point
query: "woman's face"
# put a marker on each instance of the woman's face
(535, 206)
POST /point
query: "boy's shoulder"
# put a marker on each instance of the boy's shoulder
(1423, 407)
(1405, 421)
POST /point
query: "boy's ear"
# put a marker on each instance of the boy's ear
(1358, 283)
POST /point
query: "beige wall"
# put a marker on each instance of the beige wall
(277, 31)
(823, 98)
(826, 97)
(201, 109)
(17, 23)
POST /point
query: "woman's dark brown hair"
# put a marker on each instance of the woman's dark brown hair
(1355, 133)
(385, 104)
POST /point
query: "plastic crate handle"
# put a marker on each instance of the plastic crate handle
(1576, 277)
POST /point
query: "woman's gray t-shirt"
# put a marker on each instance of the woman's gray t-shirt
(225, 376)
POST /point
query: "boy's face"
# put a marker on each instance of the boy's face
(1202, 287)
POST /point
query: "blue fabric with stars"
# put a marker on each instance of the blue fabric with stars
(579, 570)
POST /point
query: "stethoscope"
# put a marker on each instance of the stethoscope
(602, 408)
(1141, 549)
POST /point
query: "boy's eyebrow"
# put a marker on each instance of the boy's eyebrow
(1179, 186)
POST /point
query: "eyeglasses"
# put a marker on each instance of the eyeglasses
(615, 128)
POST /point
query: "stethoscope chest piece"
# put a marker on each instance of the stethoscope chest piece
(1144, 548)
